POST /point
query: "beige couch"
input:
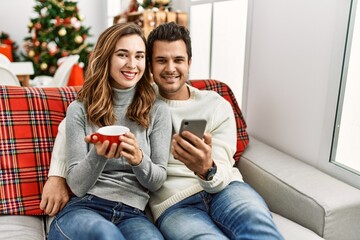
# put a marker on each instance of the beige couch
(306, 203)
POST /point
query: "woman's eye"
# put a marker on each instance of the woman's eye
(121, 55)
(140, 56)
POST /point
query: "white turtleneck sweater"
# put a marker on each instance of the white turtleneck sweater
(116, 179)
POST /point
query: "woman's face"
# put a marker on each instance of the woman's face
(127, 64)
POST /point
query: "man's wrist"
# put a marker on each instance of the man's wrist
(210, 173)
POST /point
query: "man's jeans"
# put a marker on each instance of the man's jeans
(91, 217)
(237, 212)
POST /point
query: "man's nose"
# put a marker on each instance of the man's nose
(170, 66)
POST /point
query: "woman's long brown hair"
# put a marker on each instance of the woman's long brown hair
(97, 94)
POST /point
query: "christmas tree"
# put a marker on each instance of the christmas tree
(56, 32)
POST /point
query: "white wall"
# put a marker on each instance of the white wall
(15, 16)
(294, 68)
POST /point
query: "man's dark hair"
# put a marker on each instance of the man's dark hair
(168, 32)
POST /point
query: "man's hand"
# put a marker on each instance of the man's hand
(194, 152)
(54, 196)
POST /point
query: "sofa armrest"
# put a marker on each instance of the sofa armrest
(302, 193)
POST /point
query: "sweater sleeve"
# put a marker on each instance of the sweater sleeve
(84, 165)
(223, 131)
(58, 158)
(151, 172)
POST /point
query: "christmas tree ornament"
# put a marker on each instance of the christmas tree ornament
(43, 66)
(37, 26)
(62, 32)
(52, 69)
(78, 39)
(44, 12)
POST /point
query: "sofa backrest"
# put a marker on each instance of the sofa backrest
(29, 119)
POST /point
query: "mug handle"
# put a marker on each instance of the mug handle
(92, 140)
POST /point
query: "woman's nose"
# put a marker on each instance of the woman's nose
(130, 64)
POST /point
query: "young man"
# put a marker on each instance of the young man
(204, 196)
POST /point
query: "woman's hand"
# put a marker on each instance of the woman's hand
(102, 148)
(129, 148)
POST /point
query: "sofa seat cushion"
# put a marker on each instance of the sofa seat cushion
(292, 230)
(22, 227)
(29, 118)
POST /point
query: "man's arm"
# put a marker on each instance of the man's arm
(55, 194)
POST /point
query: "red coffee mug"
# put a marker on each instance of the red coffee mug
(110, 133)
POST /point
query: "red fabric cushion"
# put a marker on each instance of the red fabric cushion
(225, 91)
(29, 118)
(76, 77)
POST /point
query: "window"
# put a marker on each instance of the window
(218, 34)
(346, 142)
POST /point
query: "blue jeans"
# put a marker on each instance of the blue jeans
(91, 217)
(237, 212)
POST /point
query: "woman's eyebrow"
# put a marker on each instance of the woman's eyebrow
(125, 50)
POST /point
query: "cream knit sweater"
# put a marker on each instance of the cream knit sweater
(181, 182)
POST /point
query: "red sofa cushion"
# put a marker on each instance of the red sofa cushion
(225, 91)
(29, 118)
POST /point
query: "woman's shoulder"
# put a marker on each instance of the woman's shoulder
(160, 106)
(75, 106)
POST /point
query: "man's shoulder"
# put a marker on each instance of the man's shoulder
(209, 95)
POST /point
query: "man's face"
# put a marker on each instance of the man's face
(170, 67)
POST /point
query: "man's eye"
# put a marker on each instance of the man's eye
(140, 56)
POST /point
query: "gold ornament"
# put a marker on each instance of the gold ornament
(31, 53)
(78, 39)
(30, 25)
(43, 66)
(62, 32)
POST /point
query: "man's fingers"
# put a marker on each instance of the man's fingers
(49, 207)
(55, 209)
(43, 204)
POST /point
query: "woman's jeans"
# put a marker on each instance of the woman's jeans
(237, 212)
(91, 217)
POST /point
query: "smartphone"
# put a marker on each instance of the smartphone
(195, 126)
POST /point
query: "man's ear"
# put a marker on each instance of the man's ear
(189, 62)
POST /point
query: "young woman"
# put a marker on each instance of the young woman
(112, 187)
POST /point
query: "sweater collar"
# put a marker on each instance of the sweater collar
(123, 96)
(175, 103)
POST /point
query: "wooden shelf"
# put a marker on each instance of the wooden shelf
(149, 19)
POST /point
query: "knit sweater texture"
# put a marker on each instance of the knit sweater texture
(182, 182)
(115, 179)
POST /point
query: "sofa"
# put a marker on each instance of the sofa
(305, 202)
